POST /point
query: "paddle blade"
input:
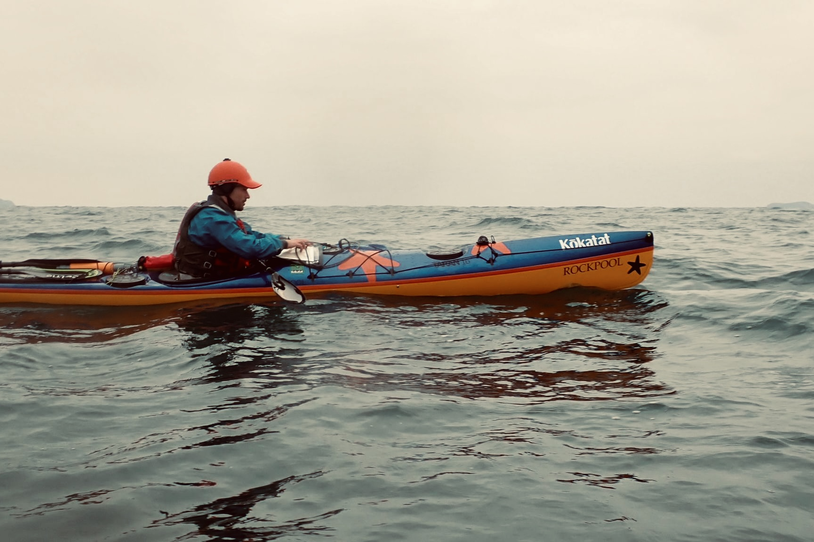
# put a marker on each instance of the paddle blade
(286, 290)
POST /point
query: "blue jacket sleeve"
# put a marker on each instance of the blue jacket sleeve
(213, 228)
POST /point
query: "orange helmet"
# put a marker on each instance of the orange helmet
(231, 172)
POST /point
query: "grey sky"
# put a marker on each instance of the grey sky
(451, 102)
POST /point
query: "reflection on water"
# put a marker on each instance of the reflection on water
(536, 349)
(208, 324)
(237, 324)
(239, 342)
(246, 367)
(230, 518)
(530, 349)
(224, 431)
(597, 480)
(33, 324)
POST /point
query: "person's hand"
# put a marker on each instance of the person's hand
(298, 243)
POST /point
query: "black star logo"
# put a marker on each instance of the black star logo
(636, 266)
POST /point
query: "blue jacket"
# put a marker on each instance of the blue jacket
(213, 227)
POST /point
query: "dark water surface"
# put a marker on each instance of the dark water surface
(679, 410)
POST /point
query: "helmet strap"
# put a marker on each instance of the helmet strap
(224, 192)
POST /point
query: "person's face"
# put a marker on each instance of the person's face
(239, 197)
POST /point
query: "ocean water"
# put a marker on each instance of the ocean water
(682, 409)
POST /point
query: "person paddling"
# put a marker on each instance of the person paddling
(212, 241)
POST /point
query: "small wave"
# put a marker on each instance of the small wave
(514, 221)
(765, 315)
(67, 210)
(68, 234)
(777, 327)
(795, 280)
(692, 273)
(785, 318)
(122, 246)
(799, 278)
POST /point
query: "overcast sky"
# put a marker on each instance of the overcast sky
(388, 102)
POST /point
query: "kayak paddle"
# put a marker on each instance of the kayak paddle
(105, 267)
(57, 275)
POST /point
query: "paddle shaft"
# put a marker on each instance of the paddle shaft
(58, 275)
(105, 267)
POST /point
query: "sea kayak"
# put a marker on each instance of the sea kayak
(605, 260)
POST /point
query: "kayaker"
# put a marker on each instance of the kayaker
(212, 241)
